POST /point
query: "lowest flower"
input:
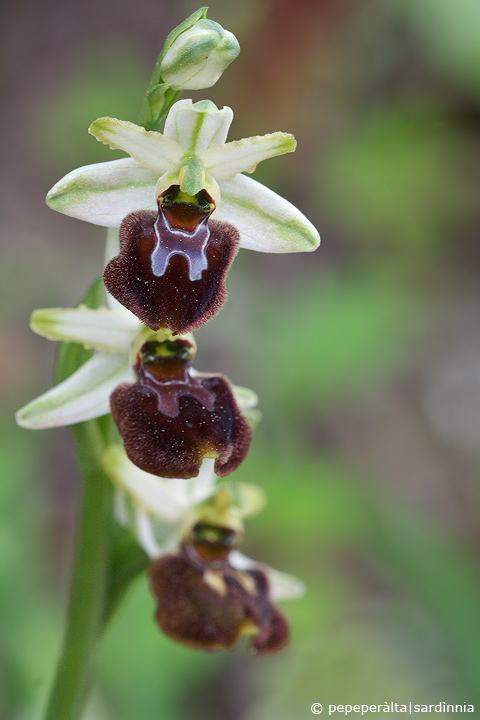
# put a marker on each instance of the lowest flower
(208, 594)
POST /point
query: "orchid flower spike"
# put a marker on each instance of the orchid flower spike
(146, 380)
(208, 594)
(162, 199)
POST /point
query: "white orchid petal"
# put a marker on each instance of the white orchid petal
(202, 486)
(83, 396)
(249, 499)
(146, 534)
(197, 126)
(121, 510)
(104, 193)
(149, 148)
(266, 222)
(225, 161)
(247, 401)
(168, 538)
(241, 562)
(246, 398)
(282, 585)
(112, 244)
(102, 329)
(165, 499)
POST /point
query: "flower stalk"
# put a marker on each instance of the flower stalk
(93, 550)
(87, 603)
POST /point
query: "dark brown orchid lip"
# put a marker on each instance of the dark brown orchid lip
(212, 606)
(172, 265)
(170, 421)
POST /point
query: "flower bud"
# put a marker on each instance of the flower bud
(196, 58)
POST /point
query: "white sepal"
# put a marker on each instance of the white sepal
(156, 509)
(197, 126)
(202, 486)
(101, 329)
(165, 499)
(266, 222)
(104, 193)
(247, 499)
(112, 246)
(83, 396)
(143, 528)
(246, 398)
(282, 585)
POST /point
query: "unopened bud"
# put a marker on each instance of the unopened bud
(196, 58)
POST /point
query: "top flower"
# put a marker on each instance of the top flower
(191, 154)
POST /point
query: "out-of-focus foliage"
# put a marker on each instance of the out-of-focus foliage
(393, 173)
(107, 80)
(373, 499)
(448, 33)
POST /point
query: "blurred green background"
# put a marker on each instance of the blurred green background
(365, 354)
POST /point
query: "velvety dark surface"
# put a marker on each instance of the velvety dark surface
(192, 612)
(170, 300)
(174, 446)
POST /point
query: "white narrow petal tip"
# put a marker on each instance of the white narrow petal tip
(225, 161)
(85, 395)
(100, 328)
(149, 148)
(266, 221)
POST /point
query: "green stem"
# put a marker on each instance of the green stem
(87, 595)
(128, 560)
(158, 101)
(104, 565)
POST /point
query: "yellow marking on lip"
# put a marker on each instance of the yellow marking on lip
(215, 581)
(246, 581)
